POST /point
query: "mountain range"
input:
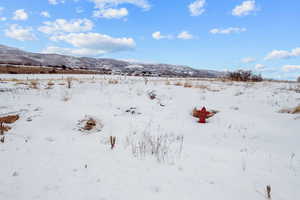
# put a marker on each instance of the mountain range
(10, 56)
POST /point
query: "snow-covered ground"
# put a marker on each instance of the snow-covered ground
(242, 149)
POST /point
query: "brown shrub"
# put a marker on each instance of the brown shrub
(187, 85)
(244, 75)
(4, 128)
(89, 125)
(34, 84)
(21, 83)
(178, 84)
(9, 119)
(111, 81)
(201, 87)
(290, 110)
(50, 83)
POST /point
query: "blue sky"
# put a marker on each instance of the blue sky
(260, 35)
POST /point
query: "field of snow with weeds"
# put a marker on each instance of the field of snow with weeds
(160, 150)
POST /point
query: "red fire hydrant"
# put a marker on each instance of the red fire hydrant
(203, 115)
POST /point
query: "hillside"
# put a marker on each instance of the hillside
(17, 57)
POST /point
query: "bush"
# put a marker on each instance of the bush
(244, 75)
(165, 148)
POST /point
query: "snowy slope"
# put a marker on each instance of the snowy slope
(242, 149)
(9, 55)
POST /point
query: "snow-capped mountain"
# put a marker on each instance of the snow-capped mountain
(14, 56)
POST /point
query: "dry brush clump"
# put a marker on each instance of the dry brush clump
(2, 139)
(268, 189)
(244, 75)
(113, 81)
(178, 84)
(203, 87)
(7, 120)
(34, 84)
(294, 110)
(187, 85)
(90, 124)
(69, 82)
(165, 148)
(112, 141)
(50, 85)
(21, 83)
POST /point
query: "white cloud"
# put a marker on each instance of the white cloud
(291, 68)
(185, 35)
(260, 67)
(108, 8)
(197, 7)
(111, 13)
(62, 25)
(19, 33)
(244, 9)
(282, 54)
(102, 4)
(93, 43)
(158, 36)
(55, 2)
(229, 30)
(248, 60)
(277, 54)
(20, 15)
(45, 14)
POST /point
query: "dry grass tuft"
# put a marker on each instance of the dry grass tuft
(187, 85)
(7, 120)
(295, 110)
(178, 84)
(112, 140)
(112, 81)
(21, 83)
(203, 87)
(90, 124)
(164, 148)
(34, 84)
(50, 83)
(69, 82)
